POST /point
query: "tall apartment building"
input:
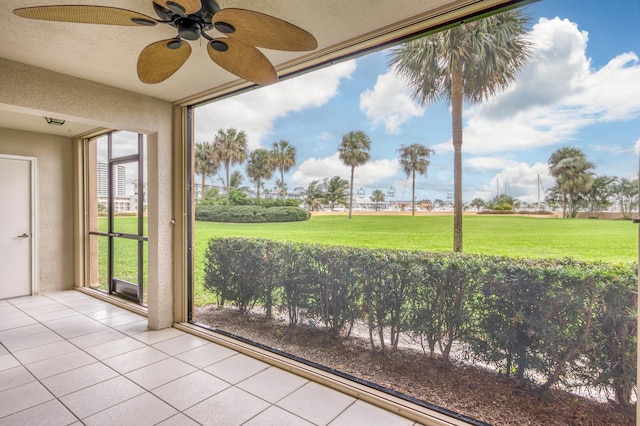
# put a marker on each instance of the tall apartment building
(119, 180)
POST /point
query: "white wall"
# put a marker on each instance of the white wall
(41, 92)
(55, 201)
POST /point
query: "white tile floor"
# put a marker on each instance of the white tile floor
(68, 358)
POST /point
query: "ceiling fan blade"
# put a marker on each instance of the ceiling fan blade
(158, 61)
(184, 7)
(86, 15)
(258, 29)
(243, 60)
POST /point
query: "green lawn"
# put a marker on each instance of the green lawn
(126, 252)
(583, 239)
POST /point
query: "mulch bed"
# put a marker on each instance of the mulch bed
(464, 388)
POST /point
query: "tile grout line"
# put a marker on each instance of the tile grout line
(37, 379)
(80, 349)
(145, 390)
(119, 374)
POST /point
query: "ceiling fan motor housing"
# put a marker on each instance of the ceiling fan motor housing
(189, 29)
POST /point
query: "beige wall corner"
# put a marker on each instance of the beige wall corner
(54, 215)
(31, 90)
(160, 291)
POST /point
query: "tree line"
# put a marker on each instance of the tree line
(577, 188)
(230, 147)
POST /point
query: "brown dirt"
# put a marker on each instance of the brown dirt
(470, 390)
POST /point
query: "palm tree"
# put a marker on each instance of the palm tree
(478, 203)
(229, 148)
(204, 164)
(471, 62)
(600, 194)
(283, 158)
(335, 191)
(377, 196)
(414, 158)
(626, 192)
(313, 195)
(259, 168)
(572, 172)
(354, 151)
(235, 181)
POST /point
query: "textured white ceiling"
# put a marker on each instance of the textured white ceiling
(108, 54)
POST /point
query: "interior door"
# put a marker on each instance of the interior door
(16, 236)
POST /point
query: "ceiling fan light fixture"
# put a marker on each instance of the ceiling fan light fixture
(176, 8)
(174, 44)
(225, 27)
(143, 22)
(219, 46)
(210, 6)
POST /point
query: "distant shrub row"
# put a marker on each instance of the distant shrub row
(559, 320)
(529, 212)
(250, 214)
(118, 214)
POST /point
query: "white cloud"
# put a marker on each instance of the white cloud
(324, 136)
(255, 111)
(484, 164)
(555, 96)
(637, 146)
(366, 175)
(612, 149)
(389, 102)
(521, 181)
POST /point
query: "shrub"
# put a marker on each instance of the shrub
(385, 288)
(338, 287)
(295, 278)
(249, 214)
(556, 320)
(496, 212)
(535, 212)
(286, 214)
(277, 202)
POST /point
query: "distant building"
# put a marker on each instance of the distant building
(122, 202)
(119, 179)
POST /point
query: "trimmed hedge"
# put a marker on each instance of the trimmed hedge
(563, 320)
(528, 212)
(250, 214)
(497, 212)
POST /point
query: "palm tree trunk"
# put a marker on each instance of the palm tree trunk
(202, 187)
(571, 216)
(227, 166)
(351, 193)
(258, 190)
(413, 194)
(282, 186)
(456, 123)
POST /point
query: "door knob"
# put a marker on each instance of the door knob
(25, 235)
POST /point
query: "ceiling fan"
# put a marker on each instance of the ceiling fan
(237, 53)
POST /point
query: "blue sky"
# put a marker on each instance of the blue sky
(581, 88)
